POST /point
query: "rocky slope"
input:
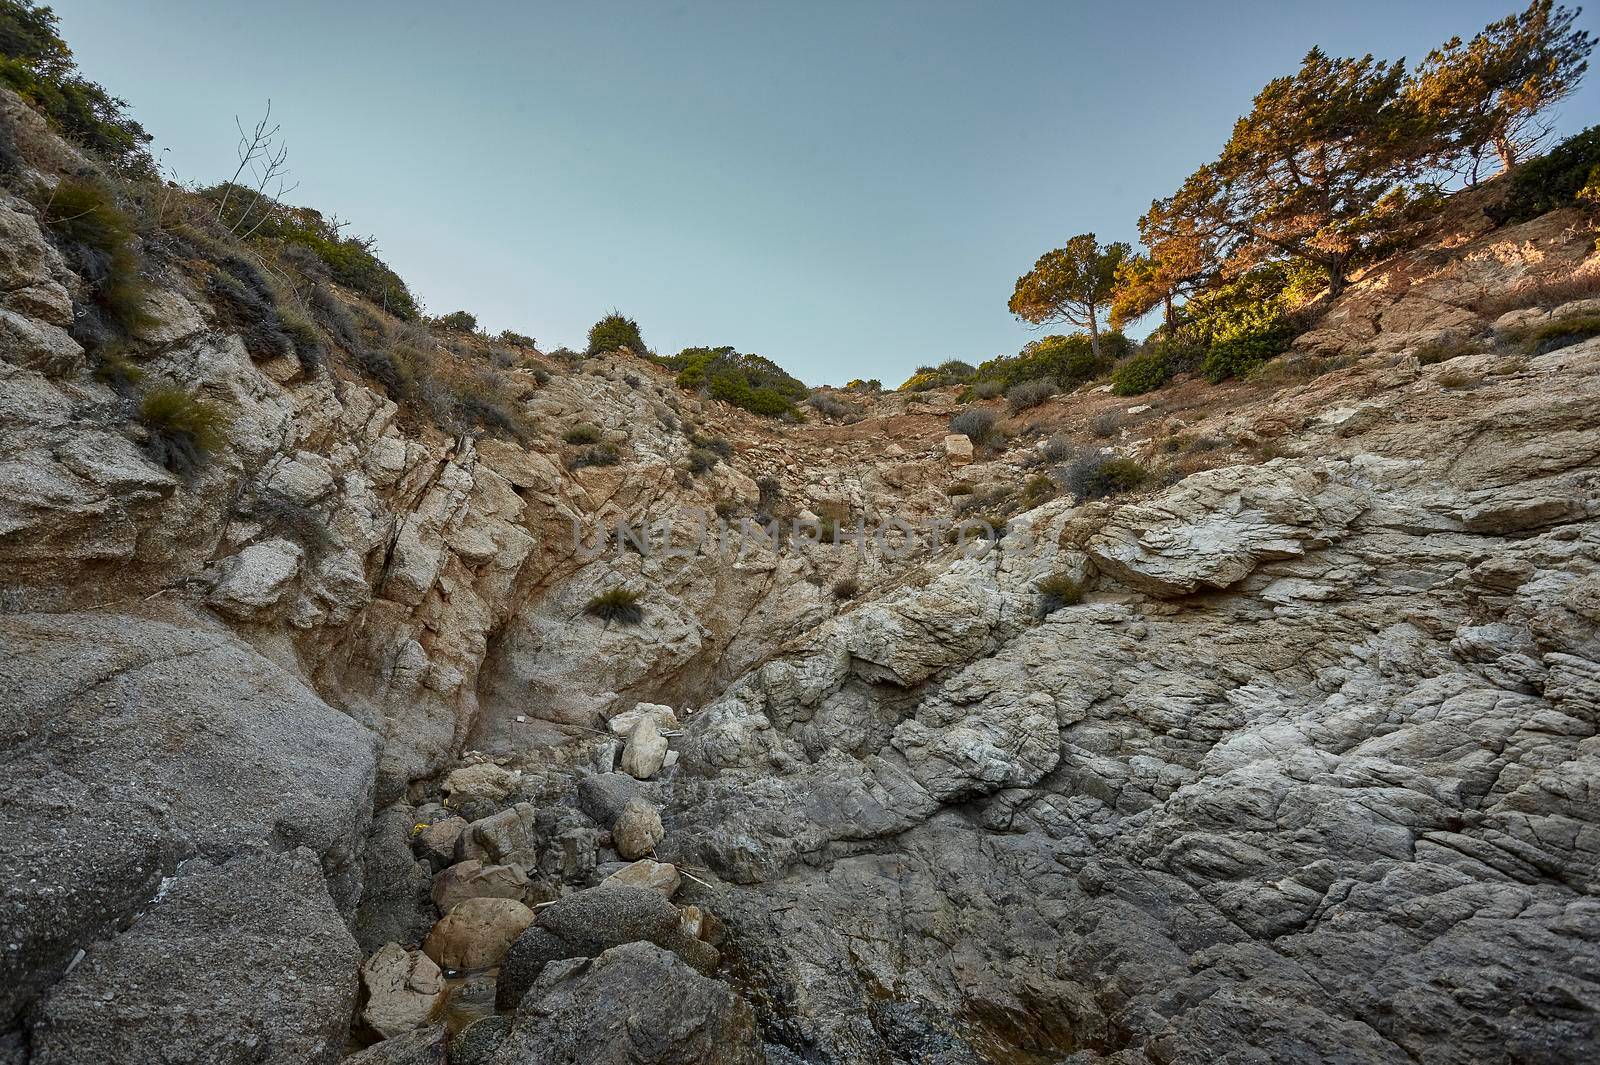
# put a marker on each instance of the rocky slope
(321, 745)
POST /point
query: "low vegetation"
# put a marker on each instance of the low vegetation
(846, 588)
(949, 372)
(1566, 176)
(1096, 476)
(615, 332)
(618, 604)
(183, 430)
(97, 237)
(1056, 591)
(751, 382)
(1030, 394)
(976, 424)
(1559, 333)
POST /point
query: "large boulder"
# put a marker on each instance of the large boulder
(247, 961)
(1214, 528)
(472, 879)
(603, 795)
(673, 1015)
(130, 744)
(401, 988)
(587, 923)
(425, 1046)
(510, 837)
(638, 829)
(476, 933)
(645, 752)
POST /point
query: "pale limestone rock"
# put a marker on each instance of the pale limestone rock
(1214, 528)
(646, 750)
(638, 829)
(401, 987)
(658, 876)
(485, 780)
(256, 579)
(623, 724)
(958, 449)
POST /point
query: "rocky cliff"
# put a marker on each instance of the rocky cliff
(321, 742)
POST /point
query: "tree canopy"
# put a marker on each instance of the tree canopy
(1071, 284)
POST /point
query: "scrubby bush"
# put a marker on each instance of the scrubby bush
(872, 385)
(831, 406)
(582, 433)
(614, 332)
(1438, 351)
(1106, 424)
(1057, 590)
(1030, 394)
(279, 514)
(350, 261)
(1144, 372)
(97, 238)
(37, 65)
(846, 588)
(616, 604)
(1039, 489)
(976, 423)
(1058, 448)
(598, 455)
(770, 492)
(1098, 476)
(702, 459)
(249, 307)
(1567, 174)
(751, 382)
(718, 445)
(961, 488)
(987, 389)
(1560, 333)
(457, 322)
(306, 339)
(1069, 361)
(183, 429)
(521, 340)
(115, 370)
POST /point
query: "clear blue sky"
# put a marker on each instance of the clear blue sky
(849, 188)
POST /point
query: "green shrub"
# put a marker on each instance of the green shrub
(1058, 590)
(458, 322)
(1553, 180)
(98, 240)
(870, 385)
(1099, 476)
(751, 382)
(350, 261)
(520, 340)
(583, 433)
(616, 604)
(1030, 394)
(37, 65)
(976, 424)
(614, 332)
(846, 588)
(987, 389)
(1069, 361)
(598, 455)
(1144, 372)
(1039, 489)
(701, 459)
(184, 430)
(1560, 333)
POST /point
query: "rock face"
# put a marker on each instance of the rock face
(133, 744)
(244, 961)
(1297, 761)
(675, 1016)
